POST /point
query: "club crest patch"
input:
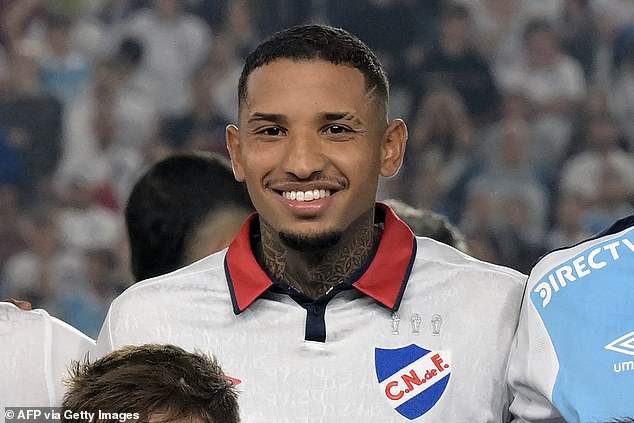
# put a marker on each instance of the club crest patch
(411, 378)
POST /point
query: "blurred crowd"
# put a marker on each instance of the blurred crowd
(520, 113)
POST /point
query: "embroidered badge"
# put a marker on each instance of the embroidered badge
(411, 378)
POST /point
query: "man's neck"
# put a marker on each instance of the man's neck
(314, 273)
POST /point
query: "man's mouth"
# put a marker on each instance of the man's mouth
(310, 195)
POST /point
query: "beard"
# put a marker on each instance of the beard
(310, 243)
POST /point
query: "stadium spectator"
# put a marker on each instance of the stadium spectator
(45, 269)
(621, 91)
(578, 29)
(64, 72)
(84, 305)
(521, 200)
(32, 119)
(455, 63)
(202, 128)
(93, 153)
(568, 226)
(615, 195)
(175, 43)
(497, 31)
(11, 218)
(440, 153)
(603, 145)
(554, 85)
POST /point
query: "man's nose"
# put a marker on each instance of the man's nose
(304, 155)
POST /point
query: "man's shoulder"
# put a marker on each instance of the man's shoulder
(442, 256)
(205, 274)
(160, 308)
(614, 247)
(14, 319)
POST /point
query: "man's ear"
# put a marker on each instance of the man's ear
(393, 148)
(232, 134)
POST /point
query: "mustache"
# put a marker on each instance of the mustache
(314, 177)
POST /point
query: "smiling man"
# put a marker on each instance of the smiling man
(313, 142)
(325, 306)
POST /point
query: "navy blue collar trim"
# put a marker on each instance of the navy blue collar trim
(618, 226)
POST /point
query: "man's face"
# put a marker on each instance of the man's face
(311, 146)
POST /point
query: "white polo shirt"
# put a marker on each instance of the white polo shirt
(574, 353)
(422, 330)
(35, 350)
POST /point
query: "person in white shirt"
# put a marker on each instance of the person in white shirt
(175, 43)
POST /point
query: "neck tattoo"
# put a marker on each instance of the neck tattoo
(314, 273)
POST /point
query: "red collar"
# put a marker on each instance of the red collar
(384, 279)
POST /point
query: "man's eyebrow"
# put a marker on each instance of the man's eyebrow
(330, 116)
(341, 116)
(267, 117)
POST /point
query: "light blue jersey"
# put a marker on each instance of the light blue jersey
(574, 352)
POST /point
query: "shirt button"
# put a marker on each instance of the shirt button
(317, 310)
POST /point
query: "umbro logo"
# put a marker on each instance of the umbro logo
(624, 345)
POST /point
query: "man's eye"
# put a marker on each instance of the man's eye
(337, 129)
(273, 131)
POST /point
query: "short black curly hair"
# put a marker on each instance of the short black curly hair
(170, 201)
(310, 42)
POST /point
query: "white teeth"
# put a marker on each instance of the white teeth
(315, 194)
